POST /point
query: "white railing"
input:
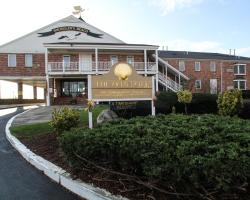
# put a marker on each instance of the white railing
(103, 66)
(171, 84)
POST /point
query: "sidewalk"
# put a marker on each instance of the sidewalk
(39, 115)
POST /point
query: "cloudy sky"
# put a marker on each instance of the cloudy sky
(192, 25)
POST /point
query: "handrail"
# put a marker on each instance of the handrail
(169, 82)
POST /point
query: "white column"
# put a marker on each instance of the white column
(153, 96)
(157, 76)
(96, 60)
(47, 78)
(90, 114)
(145, 62)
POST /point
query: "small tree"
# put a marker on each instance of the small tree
(185, 97)
(230, 102)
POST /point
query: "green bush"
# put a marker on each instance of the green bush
(64, 119)
(200, 104)
(230, 102)
(246, 94)
(184, 97)
(165, 101)
(203, 104)
(186, 152)
(245, 112)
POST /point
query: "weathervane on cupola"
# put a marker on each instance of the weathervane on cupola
(78, 11)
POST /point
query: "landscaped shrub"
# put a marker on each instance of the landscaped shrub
(131, 109)
(245, 94)
(184, 97)
(165, 102)
(245, 111)
(190, 154)
(64, 119)
(200, 104)
(203, 104)
(230, 102)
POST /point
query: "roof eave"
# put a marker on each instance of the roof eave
(101, 46)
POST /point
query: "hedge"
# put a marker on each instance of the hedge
(186, 152)
(246, 94)
(201, 104)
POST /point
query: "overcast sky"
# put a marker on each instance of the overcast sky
(192, 25)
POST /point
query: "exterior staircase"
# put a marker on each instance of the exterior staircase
(169, 83)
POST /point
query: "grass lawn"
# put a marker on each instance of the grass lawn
(31, 130)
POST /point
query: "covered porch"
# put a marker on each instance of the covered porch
(68, 64)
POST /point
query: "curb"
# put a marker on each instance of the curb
(56, 173)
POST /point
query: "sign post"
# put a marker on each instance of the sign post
(90, 115)
(153, 96)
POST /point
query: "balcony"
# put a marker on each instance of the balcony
(91, 68)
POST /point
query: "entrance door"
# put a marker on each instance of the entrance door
(85, 62)
(213, 86)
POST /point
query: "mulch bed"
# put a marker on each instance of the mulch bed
(47, 147)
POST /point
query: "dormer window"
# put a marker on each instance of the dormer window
(240, 69)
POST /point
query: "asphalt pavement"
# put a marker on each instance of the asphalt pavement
(18, 179)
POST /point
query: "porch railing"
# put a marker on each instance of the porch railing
(102, 66)
(171, 84)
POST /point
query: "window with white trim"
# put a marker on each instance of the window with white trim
(11, 60)
(130, 60)
(240, 69)
(212, 66)
(182, 66)
(240, 84)
(197, 84)
(66, 61)
(197, 66)
(113, 59)
(28, 60)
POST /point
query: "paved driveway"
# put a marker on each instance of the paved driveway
(18, 179)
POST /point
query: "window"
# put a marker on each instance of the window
(66, 61)
(240, 84)
(12, 60)
(130, 60)
(212, 66)
(114, 60)
(198, 84)
(73, 88)
(182, 65)
(240, 69)
(197, 66)
(28, 60)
